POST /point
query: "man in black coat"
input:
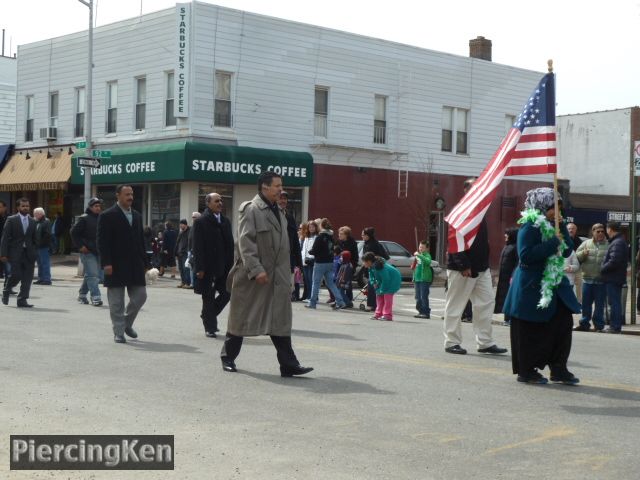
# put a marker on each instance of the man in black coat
(292, 230)
(213, 259)
(181, 251)
(18, 248)
(614, 274)
(123, 258)
(3, 219)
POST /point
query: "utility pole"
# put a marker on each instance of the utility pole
(88, 115)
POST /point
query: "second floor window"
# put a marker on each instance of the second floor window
(222, 112)
(141, 102)
(78, 121)
(53, 109)
(454, 130)
(112, 107)
(28, 127)
(169, 118)
(380, 120)
(320, 112)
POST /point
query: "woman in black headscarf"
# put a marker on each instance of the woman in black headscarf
(540, 300)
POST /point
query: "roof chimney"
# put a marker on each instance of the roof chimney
(480, 48)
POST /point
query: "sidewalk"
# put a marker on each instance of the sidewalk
(65, 268)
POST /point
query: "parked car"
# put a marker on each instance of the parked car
(399, 257)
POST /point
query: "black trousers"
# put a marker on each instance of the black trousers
(21, 273)
(535, 345)
(214, 299)
(285, 353)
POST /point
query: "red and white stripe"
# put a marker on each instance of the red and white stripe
(532, 151)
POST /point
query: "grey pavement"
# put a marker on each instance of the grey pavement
(384, 402)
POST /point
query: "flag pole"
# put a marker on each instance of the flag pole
(556, 209)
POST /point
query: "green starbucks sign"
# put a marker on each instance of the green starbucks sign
(202, 162)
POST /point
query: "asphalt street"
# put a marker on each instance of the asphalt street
(384, 401)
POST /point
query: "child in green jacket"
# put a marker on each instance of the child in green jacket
(422, 278)
(387, 280)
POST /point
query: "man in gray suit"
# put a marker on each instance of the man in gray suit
(18, 248)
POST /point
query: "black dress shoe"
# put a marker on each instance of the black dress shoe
(493, 350)
(37, 282)
(5, 298)
(228, 365)
(457, 349)
(12, 292)
(119, 339)
(24, 304)
(297, 370)
(131, 332)
(210, 334)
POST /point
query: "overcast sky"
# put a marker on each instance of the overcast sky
(593, 42)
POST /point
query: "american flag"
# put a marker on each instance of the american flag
(529, 148)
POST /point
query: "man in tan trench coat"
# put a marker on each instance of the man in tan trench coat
(259, 281)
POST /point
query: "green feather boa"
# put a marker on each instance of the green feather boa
(554, 266)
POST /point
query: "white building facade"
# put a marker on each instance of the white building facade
(377, 118)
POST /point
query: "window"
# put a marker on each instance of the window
(165, 204)
(28, 127)
(395, 250)
(141, 102)
(112, 107)
(53, 109)
(454, 130)
(78, 121)
(380, 120)
(509, 120)
(169, 118)
(320, 112)
(222, 112)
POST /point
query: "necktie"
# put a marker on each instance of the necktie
(25, 224)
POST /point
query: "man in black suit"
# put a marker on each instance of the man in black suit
(124, 260)
(18, 248)
(213, 258)
(3, 219)
(294, 242)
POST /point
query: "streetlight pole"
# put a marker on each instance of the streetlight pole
(88, 115)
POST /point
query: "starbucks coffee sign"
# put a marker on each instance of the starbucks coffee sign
(182, 70)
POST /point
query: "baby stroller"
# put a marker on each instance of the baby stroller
(363, 301)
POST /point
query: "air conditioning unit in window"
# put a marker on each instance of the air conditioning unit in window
(49, 133)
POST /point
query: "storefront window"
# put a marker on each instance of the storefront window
(294, 206)
(165, 204)
(225, 191)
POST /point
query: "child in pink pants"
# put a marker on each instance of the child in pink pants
(387, 281)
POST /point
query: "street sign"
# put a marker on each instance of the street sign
(88, 162)
(636, 158)
(101, 153)
(81, 145)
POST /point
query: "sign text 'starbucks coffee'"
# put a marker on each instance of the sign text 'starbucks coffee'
(190, 161)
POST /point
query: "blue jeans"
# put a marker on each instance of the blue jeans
(320, 271)
(92, 274)
(614, 297)
(307, 275)
(185, 273)
(422, 297)
(44, 265)
(593, 292)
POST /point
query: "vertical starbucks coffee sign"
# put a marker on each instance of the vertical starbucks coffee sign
(182, 71)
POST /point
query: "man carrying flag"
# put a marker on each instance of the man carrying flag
(469, 277)
(529, 148)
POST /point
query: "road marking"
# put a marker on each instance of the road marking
(554, 433)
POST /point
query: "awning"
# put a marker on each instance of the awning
(5, 153)
(36, 172)
(194, 161)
